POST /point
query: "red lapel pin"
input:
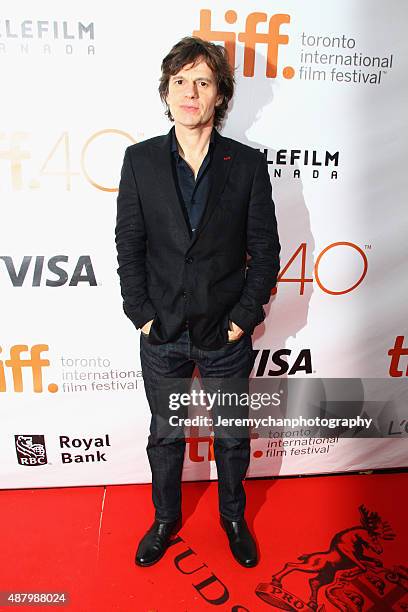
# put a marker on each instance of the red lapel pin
(227, 157)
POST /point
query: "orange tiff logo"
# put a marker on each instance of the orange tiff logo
(251, 37)
(16, 364)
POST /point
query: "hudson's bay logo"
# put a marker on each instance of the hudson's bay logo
(350, 572)
(349, 576)
(56, 271)
(30, 449)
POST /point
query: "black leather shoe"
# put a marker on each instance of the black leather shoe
(154, 543)
(241, 542)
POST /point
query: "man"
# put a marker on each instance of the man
(191, 206)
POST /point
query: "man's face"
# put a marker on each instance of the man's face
(193, 95)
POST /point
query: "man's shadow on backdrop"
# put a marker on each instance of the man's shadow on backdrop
(287, 311)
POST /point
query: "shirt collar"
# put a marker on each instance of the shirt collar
(174, 147)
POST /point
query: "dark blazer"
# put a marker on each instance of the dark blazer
(169, 276)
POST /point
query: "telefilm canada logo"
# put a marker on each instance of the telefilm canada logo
(296, 160)
(47, 37)
(55, 271)
(30, 449)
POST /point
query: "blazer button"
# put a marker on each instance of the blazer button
(189, 260)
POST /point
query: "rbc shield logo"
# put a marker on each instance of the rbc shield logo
(31, 450)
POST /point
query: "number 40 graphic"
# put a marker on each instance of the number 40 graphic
(302, 279)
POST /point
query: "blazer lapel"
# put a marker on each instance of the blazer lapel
(161, 162)
(220, 168)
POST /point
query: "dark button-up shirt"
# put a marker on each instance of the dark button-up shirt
(193, 192)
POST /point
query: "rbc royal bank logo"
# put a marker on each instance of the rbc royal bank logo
(31, 450)
(273, 38)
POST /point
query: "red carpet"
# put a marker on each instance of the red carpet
(355, 559)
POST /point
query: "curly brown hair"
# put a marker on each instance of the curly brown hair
(191, 49)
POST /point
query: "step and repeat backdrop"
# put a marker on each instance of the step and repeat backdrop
(322, 92)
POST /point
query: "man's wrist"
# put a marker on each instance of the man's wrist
(246, 319)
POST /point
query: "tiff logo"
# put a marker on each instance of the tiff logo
(201, 448)
(250, 37)
(35, 363)
(396, 353)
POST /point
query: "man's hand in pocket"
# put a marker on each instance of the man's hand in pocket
(146, 327)
(234, 332)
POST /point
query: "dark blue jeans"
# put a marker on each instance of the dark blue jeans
(177, 360)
